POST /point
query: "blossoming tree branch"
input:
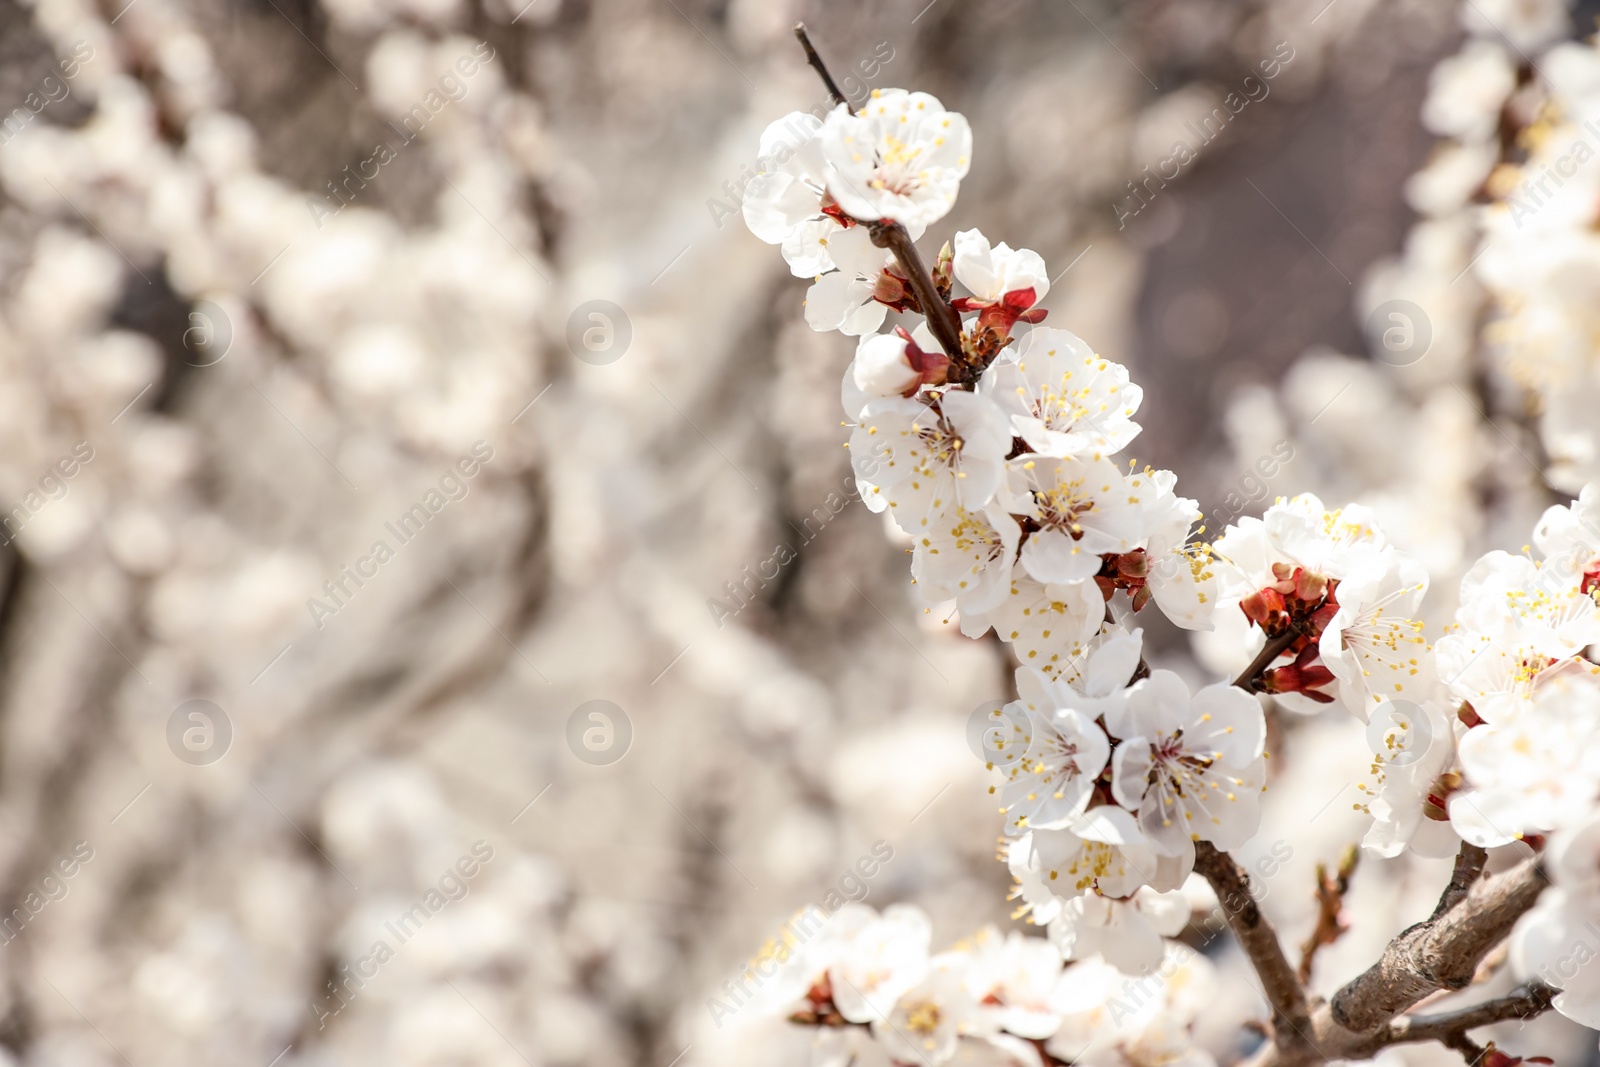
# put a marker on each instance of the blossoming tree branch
(990, 440)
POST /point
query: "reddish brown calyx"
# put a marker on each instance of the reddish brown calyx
(1493, 1057)
(893, 290)
(1302, 676)
(1591, 577)
(933, 368)
(1437, 804)
(1297, 600)
(822, 1011)
(1128, 571)
(979, 346)
(831, 208)
(1002, 315)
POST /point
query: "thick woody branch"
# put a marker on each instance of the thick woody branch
(1260, 942)
(1441, 953)
(942, 318)
(1469, 867)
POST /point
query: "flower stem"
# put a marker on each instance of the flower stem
(817, 64)
(886, 233)
(942, 318)
(1274, 648)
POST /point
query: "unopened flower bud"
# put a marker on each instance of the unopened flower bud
(1436, 805)
(1261, 606)
(1309, 586)
(883, 368)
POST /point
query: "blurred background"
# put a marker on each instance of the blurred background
(285, 281)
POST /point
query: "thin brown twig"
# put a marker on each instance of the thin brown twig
(817, 64)
(1330, 924)
(1274, 648)
(1522, 1003)
(886, 233)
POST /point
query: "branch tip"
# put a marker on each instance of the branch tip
(818, 65)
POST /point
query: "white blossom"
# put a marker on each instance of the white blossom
(1467, 90)
(1112, 1020)
(1047, 626)
(967, 556)
(902, 157)
(1062, 399)
(1082, 506)
(1180, 574)
(779, 202)
(1103, 851)
(882, 367)
(1018, 975)
(1535, 767)
(1128, 934)
(1050, 786)
(877, 959)
(1519, 620)
(1374, 644)
(928, 1020)
(1417, 745)
(843, 299)
(944, 453)
(1191, 766)
(1558, 942)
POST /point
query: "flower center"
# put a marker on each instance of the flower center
(923, 1017)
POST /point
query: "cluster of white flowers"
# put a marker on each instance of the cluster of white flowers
(994, 455)
(871, 977)
(996, 460)
(1511, 197)
(1529, 766)
(1540, 256)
